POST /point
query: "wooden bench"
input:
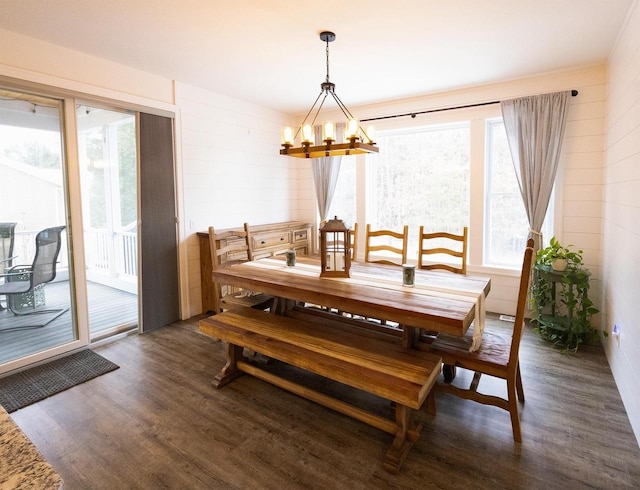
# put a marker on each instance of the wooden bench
(341, 351)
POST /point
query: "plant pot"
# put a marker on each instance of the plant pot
(559, 265)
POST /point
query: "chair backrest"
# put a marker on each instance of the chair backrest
(455, 247)
(353, 235)
(7, 237)
(392, 241)
(48, 243)
(228, 246)
(521, 307)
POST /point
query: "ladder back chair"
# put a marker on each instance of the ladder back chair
(353, 235)
(392, 241)
(455, 247)
(230, 247)
(497, 356)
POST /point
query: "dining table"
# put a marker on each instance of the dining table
(437, 302)
(365, 331)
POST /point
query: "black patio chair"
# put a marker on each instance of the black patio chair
(7, 237)
(25, 279)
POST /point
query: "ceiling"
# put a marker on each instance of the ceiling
(269, 51)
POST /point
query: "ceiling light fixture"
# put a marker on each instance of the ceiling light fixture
(356, 140)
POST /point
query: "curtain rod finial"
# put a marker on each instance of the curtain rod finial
(574, 93)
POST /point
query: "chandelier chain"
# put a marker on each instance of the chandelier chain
(327, 49)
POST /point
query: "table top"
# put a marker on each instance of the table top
(439, 301)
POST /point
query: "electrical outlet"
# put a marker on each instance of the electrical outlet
(616, 333)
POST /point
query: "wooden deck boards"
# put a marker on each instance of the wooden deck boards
(108, 307)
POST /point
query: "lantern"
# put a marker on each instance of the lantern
(335, 245)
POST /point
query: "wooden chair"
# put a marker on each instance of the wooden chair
(459, 253)
(230, 247)
(497, 356)
(390, 236)
(353, 234)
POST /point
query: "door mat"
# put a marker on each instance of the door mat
(37, 383)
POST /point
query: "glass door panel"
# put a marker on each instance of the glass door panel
(36, 301)
(108, 173)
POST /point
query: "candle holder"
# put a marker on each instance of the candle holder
(335, 249)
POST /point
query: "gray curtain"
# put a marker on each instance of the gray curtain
(325, 175)
(535, 128)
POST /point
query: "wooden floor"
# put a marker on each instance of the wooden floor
(108, 307)
(157, 423)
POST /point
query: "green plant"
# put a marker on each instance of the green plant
(560, 299)
(554, 251)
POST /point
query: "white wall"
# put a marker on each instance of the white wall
(621, 215)
(232, 172)
(578, 219)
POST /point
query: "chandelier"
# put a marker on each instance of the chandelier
(356, 140)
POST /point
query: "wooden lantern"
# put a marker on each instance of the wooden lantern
(335, 245)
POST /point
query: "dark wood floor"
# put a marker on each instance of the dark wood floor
(157, 423)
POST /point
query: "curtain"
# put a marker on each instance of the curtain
(535, 128)
(325, 176)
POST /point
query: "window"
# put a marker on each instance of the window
(506, 224)
(420, 177)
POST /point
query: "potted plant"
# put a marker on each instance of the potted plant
(559, 258)
(559, 296)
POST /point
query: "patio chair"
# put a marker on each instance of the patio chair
(7, 234)
(23, 280)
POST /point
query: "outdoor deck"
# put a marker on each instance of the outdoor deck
(108, 308)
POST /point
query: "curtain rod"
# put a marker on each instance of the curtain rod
(414, 114)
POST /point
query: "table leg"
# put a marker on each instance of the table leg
(230, 370)
(407, 434)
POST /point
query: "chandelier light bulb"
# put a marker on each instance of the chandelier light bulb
(328, 132)
(351, 130)
(287, 136)
(307, 134)
(371, 134)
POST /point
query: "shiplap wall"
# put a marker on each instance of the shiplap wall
(232, 172)
(621, 215)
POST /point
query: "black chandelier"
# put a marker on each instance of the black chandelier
(356, 140)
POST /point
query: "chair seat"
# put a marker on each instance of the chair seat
(258, 301)
(494, 350)
(15, 287)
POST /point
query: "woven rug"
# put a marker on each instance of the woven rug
(37, 383)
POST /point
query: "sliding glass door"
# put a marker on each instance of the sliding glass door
(108, 175)
(37, 310)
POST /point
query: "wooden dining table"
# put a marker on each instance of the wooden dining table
(363, 331)
(439, 301)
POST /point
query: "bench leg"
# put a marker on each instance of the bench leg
(410, 336)
(406, 435)
(230, 370)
